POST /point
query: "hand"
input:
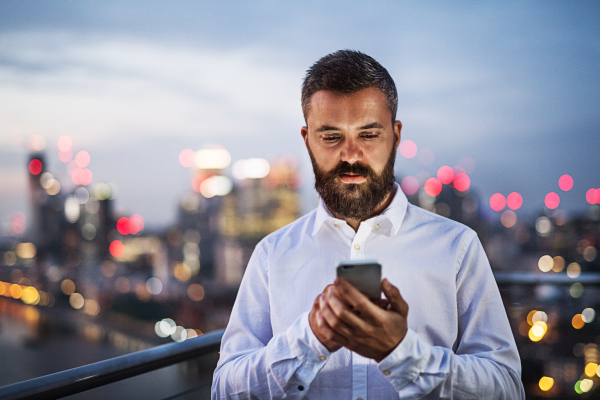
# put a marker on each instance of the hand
(360, 325)
(318, 325)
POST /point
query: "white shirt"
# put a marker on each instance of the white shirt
(459, 344)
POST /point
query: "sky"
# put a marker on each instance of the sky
(515, 86)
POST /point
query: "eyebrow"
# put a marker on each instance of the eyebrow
(326, 128)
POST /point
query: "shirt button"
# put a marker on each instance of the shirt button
(300, 388)
(337, 226)
(376, 226)
(322, 357)
(357, 247)
(386, 372)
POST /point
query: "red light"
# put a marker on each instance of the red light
(514, 201)
(82, 159)
(552, 200)
(590, 196)
(186, 158)
(497, 201)
(565, 182)
(462, 182)
(136, 223)
(123, 226)
(35, 166)
(409, 185)
(433, 187)
(408, 149)
(117, 248)
(445, 174)
(597, 196)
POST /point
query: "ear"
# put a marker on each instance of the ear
(397, 132)
(304, 133)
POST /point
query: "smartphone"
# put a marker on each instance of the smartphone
(365, 275)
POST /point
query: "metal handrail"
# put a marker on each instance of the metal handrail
(80, 379)
(534, 278)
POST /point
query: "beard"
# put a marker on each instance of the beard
(354, 200)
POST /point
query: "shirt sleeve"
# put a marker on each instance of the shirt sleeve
(254, 363)
(485, 364)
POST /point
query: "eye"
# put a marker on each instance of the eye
(331, 138)
(369, 135)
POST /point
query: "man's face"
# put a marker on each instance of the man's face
(352, 145)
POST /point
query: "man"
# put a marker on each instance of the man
(298, 332)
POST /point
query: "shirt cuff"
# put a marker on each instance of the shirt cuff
(407, 361)
(313, 355)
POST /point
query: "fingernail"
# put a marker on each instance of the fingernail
(337, 282)
(387, 284)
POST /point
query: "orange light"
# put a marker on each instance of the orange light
(15, 291)
(117, 248)
(578, 321)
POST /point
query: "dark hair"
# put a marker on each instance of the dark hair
(345, 72)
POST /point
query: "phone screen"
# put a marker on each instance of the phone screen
(365, 275)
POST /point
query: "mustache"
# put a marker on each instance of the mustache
(344, 167)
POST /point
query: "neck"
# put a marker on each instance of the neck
(355, 223)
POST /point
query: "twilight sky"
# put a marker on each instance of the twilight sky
(515, 86)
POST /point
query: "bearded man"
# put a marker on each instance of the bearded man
(298, 332)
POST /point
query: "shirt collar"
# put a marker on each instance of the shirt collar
(395, 212)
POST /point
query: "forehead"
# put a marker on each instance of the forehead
(365, 104)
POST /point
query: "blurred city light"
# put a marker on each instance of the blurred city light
(552, 200)
(433, 187)
(408, 148)
(409, 185)
(497, 202)
(214, 158)
(546, 383)
(35, 166)
(64, 143)
(187, 157)
(445, 174)
(565, 182)
(514, 201)
(251, 168)
(462, 182)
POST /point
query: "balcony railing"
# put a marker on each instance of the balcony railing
(77, 380)
(102, 373)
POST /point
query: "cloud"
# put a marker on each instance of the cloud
(102, 89)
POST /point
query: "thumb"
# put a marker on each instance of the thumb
(397, 303)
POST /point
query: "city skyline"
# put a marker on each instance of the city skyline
(513, 87)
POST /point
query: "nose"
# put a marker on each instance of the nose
(351, 151)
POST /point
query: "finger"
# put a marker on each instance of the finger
(332, 320)
(392, 293)
(328, 332)
(355, 299)
(343, 312)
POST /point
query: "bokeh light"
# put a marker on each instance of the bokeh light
(154, 286)
(65, 156)
(565, 182)
(37, 142)
(68, 287)
(514, 201)
(588, 315)
(215, 158)
(76, 301)
(545, 263)
(576, 290)
(117, 248)
(559, 264)
(195, 292)
(409, 185)
(64, 143)
(573, 270)
(462, 182)
(445, 174)
(136, 224)
(546, 383)
(123, 226)
(82, 159)
(433, 187)
(508, 218)
(252, 168)
(35, 166)
(408, 149)
(590, 196)
(187, 158)
(552, 200)
(590, 369)
(497, 201)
